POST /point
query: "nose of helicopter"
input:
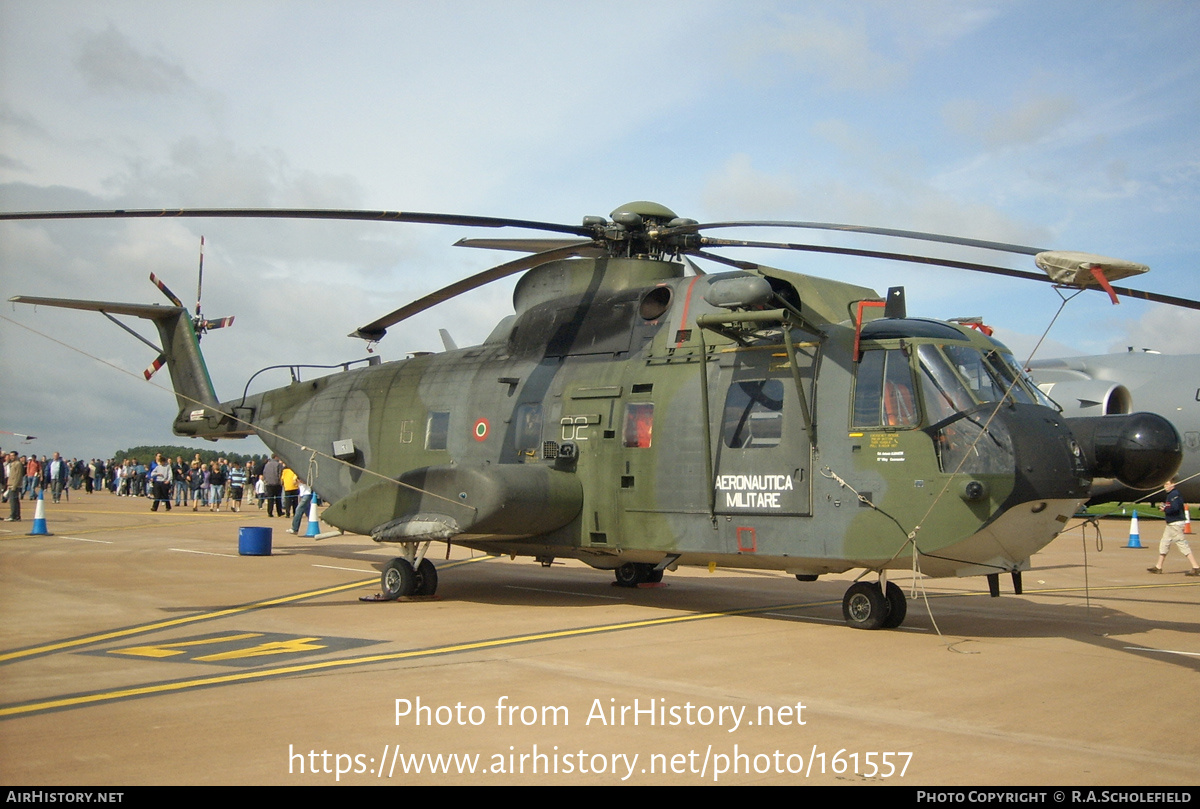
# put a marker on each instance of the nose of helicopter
(1049, 464)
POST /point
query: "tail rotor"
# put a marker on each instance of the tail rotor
(200, 324)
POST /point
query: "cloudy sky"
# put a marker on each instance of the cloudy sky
(1070, 125)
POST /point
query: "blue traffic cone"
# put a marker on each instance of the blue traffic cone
(1135, 539)
(39, 518)
(314, 522)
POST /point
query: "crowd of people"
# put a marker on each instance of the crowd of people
(211, 485)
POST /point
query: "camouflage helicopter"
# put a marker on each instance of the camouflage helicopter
(637, 413)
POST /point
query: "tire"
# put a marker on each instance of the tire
(631, 574)
(864, 606)
(398, 579)
(654, 576)
(427, 579)
(897, 607)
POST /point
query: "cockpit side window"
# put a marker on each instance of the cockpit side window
(884, 392)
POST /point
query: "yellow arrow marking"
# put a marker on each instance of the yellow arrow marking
(277, 647)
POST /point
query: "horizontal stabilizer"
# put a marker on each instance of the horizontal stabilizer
(180, 352)
(150, 311)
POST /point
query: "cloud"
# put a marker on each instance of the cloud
(839, 53)
(859, 47)
(1168, 329)
(739, 189)
(110, 62)
(1027, 121)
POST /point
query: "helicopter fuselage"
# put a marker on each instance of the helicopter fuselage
(602, 423)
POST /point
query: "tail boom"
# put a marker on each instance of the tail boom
(200, 413)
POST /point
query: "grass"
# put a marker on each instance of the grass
(1144, 510)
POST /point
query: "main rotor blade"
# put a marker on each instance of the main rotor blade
(516, 245)
(1003, 247)
(942, 262)
(729, 262)
(200, 279)
(304, 213)
(376, 329)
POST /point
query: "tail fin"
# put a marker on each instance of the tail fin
(199, 409)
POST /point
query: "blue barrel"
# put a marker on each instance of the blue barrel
(254, 541)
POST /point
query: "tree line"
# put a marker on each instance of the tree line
(146, 453)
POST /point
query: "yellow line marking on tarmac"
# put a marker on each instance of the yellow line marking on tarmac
(174, 622)
(167, 649)
(302, 668)
(101, 637)
(328, 665)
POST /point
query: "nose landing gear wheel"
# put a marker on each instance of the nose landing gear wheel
(864, 606)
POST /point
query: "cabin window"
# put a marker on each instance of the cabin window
(753, 414)
(639, 424)
(437, 429)
(883, 392)
(529, 427)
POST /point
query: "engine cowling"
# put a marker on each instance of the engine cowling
(1089, 397)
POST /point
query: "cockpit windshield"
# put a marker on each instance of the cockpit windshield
(953, 379)
(990, 377)
(956, 384)
(1012, 371)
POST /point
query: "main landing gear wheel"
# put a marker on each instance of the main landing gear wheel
(865, 606)
(399, 579)
(897, 607)
(427, 579)
(631, 574)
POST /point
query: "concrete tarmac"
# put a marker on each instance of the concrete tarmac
(140, 648)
